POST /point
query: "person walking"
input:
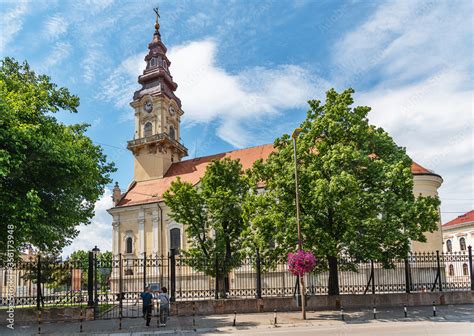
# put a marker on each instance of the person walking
(147, 298)
(164, 306)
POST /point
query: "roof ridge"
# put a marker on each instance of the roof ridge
(461, 219)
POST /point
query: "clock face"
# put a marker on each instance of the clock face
(148, 106)
(171, 110)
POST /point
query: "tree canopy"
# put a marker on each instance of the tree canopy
(51, 174)
(212, 216)
(356, 190)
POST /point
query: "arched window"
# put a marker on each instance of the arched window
(451, 270)
(175, 239)
(465, 270)
(129, 271)
(462, 244)
(171, 132)
(148, 129)
(129, 245)
(449, 245)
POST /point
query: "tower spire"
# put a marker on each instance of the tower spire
(156, 143)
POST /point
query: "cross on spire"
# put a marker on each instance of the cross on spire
(157, 12)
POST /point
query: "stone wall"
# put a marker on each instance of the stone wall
(321, 302)
(52, 314)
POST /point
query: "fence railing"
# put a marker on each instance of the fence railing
(113, 286)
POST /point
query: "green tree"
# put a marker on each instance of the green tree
(79, 259)
(51, 174)
(356, 190)
(212, 215)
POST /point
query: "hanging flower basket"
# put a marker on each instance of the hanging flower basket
(301, 262)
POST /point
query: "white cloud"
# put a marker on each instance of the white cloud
(421, 56)
(199, 20)
(93, 6)
(55, 26)
(209, 93)
(11, 23)
(59, 52)
(91, 62)
(407, 40)
(99, 232)
(120, 85)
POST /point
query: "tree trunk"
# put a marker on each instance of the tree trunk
(221, 280)
(333, 282)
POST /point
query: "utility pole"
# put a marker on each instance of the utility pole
(295, 134)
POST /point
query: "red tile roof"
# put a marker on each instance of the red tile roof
(417, 169)
(189, 171)
(465, 218)
(192, 170)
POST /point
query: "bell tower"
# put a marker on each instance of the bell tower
(156, 144)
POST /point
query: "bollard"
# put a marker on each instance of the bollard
(81, 319)
(274, 317)
(375, 313)
(434, 309)
(194, 314)
(39, 322)
(235, 318)
(405, 310)
(342, 313)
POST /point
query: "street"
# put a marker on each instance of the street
(421, 328)
(449, 320)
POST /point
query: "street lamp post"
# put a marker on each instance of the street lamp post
(295, 134)
(95, 251)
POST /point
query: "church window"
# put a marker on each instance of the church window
(462, 244)
(129, 245)
(153, 61)
(451, 270)
(175, 239)
(465, 271)
(172, 135)
(148, 129)
(449, 246)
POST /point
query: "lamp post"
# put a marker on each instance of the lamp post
(295, 135)
(95, 251)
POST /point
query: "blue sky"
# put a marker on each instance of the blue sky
(246, 68)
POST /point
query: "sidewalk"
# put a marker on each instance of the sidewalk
(223, 323)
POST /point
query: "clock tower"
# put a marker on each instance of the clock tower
(156, 144)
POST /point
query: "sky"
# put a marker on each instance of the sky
(246, 68)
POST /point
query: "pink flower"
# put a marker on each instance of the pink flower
(301, 262)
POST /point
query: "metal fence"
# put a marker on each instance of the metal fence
(113, 286)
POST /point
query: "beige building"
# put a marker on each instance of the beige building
(141, 222)
(458, 235)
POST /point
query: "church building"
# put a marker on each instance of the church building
(141, 222)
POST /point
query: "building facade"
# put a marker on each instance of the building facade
(141, 223)
(458, 235)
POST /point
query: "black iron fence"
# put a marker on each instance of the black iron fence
(113, 287)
